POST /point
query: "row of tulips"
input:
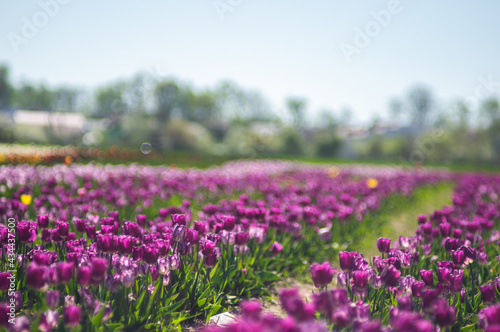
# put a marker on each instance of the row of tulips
(115, 247)
(445, 277)
(39, 154)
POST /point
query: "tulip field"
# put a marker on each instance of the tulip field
(155, 248)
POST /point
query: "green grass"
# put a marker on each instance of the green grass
(398, 216)
(186, 159)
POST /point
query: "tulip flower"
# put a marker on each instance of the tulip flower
(72, 316)
(322, 274)
(383, 245)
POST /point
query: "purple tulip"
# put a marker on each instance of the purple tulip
(47, 235)
(360, 278)
(52, 299)
(444, 275)
(5, 278)
(151, 254)
(26, 232)
(417, 288)
(482, 258)
(408, 321)
(178, 219)
(376, 281)
(293, 304)
(36, 276)
(323, 302)
(65, 271)
(383, 245)
(210, 260)
(487, 292)
(456, 280)
(342, 317)
(445, 229)
(443, 314)
(276, 248)
(405, 303)
(62, 229)
(427, 277)
(428, 298)
(241, 239)
(251, 309)
(72, 316)
(138, 253)
(43, 220)
(141, 219)
(83, 276)
(489, 316)
(174, 261)
(207, 248)
(127, 278)
(113, 283)
(322, 274)
(98, 270)
(228, 222)
(179, 233)
(91, 232)
(390, 275)
(80, 225)
(346, 260)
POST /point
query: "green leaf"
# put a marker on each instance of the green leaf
(97, 319)
(267, 276)
(139, 301)
(171, 308)
(34, 326)
(468, 328)
(201, 302)
(477, 300)
(115, 326)
(158, 286)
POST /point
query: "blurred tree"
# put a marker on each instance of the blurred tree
(296, 107)
(396, 109)
(5, 88)
(346, 115)
(490, 111)
(34, 98)
(463, 114)
(235, 103)
(292, 142)
(328, 145)
(420, 102)
(326, 119)
(65, 99)
(199, 107)
(110, 102)
(136, 93)
(168, 97)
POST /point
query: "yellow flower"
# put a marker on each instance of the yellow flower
(333, 172)
(26, 199)
(372, 183)
(68, 160)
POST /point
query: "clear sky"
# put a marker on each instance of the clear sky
(280, 47)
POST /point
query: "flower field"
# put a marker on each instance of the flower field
(103, 248)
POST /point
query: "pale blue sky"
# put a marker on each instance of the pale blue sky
(279, 47)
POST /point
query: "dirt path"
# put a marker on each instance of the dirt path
(403, 222)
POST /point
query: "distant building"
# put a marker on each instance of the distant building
(58, 120)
